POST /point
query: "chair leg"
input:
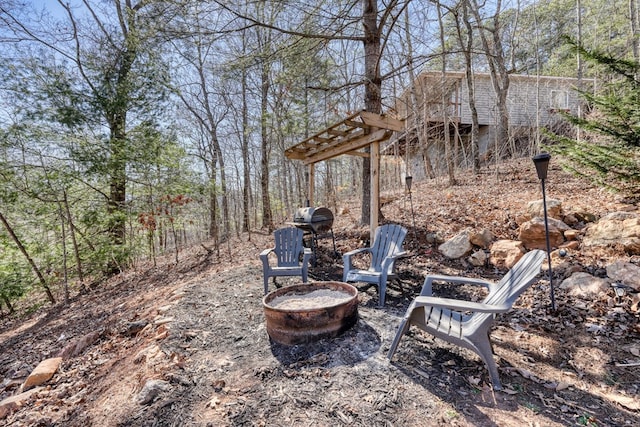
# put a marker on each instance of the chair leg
(484, 350)
(402, 329)
(266, 284)
(382, 290)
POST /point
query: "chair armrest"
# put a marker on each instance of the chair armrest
(306, 255)
(355, 252)
(427, 287)
(460, 305)
(398, 255)
(390, 260)
(266, 252)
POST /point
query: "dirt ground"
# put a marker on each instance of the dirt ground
(198, 328)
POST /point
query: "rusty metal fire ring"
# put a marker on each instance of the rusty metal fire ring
(314, 315)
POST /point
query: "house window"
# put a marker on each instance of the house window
(559, 100)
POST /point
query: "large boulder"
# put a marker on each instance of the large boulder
(533, 236)
(481, 238)
(457, 247)
(617, 228)
(42, 373)
(536, 209)
(585, 285)
(505, 253)
(625, 273)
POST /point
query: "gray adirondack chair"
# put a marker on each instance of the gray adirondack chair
(468, 324)
(386, 249)
(288, 248)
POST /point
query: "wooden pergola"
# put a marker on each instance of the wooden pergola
(350, 136)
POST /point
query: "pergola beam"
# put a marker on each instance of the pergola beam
(360, 142)
(357, 131)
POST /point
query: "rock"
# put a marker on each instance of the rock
(42, 373)
(585, 217)
(478, 258)
(12, 403)
(482, 238)
(131, 329)
(151, 390)
(433, 238)
(625, 273)
(585, 285)
(572, 245)
(457, 247)
(536, 209)
(533, 236)
(571, 234)
(617, 228)
(505, 253)
(570, 220)
(78, 346)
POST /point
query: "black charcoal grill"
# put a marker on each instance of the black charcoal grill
(316, 222)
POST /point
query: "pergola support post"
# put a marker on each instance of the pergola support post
(312, 184)
(375, 188)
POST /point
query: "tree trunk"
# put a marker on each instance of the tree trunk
(74, 241)
(246, 185)
(467, 49)
(372, 89)
(445, 105)
(267, 218)
(498, 71)
(65, 273)
(33, 265)
(419, 117)
(635, 32)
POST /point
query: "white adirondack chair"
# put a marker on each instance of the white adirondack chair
(386, 249)
(449, 319)
(288, 248)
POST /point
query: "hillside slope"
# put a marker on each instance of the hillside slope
(186, 344)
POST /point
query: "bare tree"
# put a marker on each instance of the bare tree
(491, 38)
(376, 25)
(465, 39)
(25, 253)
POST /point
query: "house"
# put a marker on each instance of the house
(441, 101)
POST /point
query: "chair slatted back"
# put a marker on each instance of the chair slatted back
(387, 241)
(517, 280)
(288, 246)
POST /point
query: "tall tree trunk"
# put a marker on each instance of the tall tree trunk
(467, 49)
(74, 241)
(267, 217)
(497, 68)
(372, 89)
(635, 31)
(419, 117)
(444, 99)
(24, 252)
(65, 273)
(246, 184)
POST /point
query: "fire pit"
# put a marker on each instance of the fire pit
(305, 313)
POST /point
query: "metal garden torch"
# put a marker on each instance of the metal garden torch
(541, 161)
(408, 180)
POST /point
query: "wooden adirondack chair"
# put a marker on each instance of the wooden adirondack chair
(288, 248)
(386, 249)
(449, 319)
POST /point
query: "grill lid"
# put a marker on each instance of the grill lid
(313, 214)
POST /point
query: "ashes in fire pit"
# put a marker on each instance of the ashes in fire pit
(316, 299)
(305, 313)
